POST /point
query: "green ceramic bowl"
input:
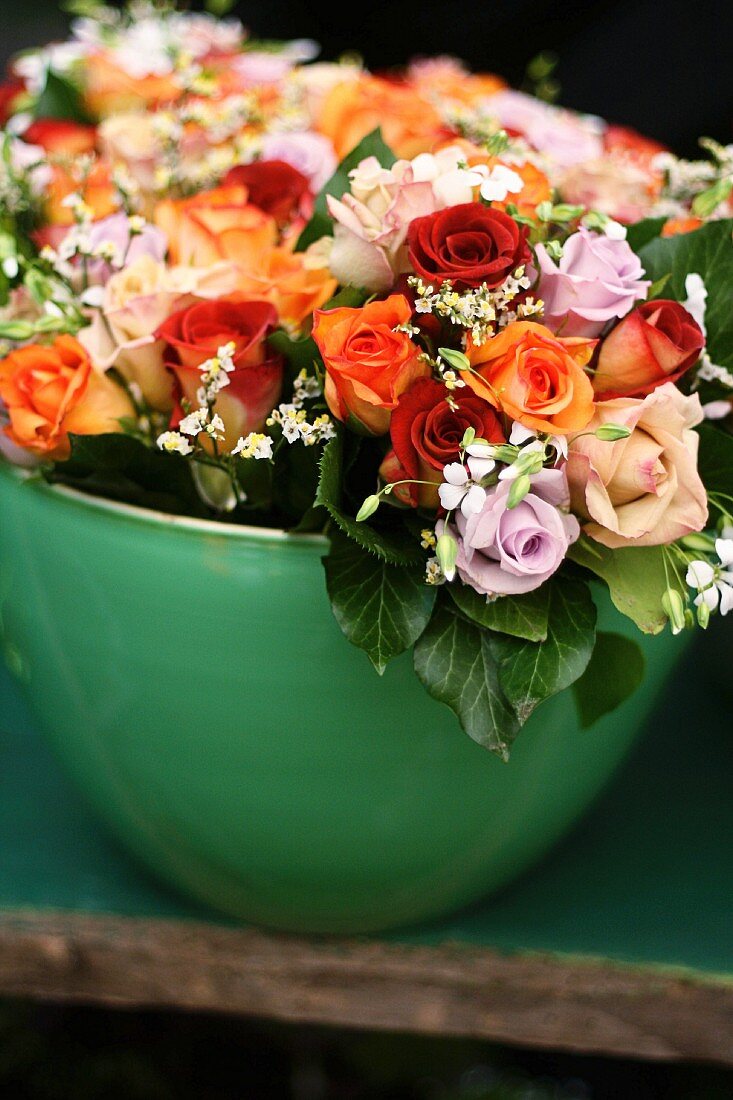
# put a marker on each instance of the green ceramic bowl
(197, 688)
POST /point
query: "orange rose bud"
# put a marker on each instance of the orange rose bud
(676, 226)
(51, 391)
(535, 377)
(655, 343)
(368, 365)
(216, 225)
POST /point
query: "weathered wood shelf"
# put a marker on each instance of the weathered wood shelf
(621, 942)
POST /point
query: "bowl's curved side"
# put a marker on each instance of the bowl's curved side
(200, 692)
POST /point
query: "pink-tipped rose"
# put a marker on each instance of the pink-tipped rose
(643, 490)
(596, 280)
(655, 343)
(504, 551)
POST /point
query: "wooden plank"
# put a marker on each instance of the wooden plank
(543, 1001)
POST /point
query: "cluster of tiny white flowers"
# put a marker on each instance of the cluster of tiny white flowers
(202, 420)
(255, 445)
(433, 572)
(293, 418)
(481, 311)
(215, 375)
(174, 443)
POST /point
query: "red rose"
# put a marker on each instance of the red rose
(469, 244)
(655, 343)
(194, 335)
(426, 435)
(273, 186)
(9, 92)
(59, 135)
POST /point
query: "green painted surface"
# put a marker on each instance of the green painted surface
(645, 877)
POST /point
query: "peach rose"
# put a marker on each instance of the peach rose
(216, 225)
(644, 490)
(352, 109)
(136, 302)
(535, 377)
(368, 365)
(50, 391)
(294, 283)
(98, 191)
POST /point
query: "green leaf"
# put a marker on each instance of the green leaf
(635, 577)
(59, 98)
(125, 469)
(643, 232)
(715, 460)
(300, 354)
(381, 608)
(395, 547)
(321, 224)
(707, 252)
(349, 296)
(522, 616)
(455, 663)
(530, 672)
(615, 671)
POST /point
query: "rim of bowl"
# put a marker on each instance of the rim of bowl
(152, 516)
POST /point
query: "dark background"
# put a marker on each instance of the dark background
(665, 68)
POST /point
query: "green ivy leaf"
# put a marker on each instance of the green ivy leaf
(455, 663)
(381, 608)
(522, 616)
(321, 224)
(125, 469)
(530, 672)
(708, 252)
(643, 232)
(715, 460)
(635, 577)
(615, 671)
(395, 547)
(60, 98)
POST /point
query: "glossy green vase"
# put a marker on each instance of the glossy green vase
(198, 690)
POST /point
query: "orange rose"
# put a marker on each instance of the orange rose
(98, 192)
(294, 286)
(368, 365)
(110, 90)
(535, 377)
(447, 79)
(216, 225)
(352, 109)
(52, 391)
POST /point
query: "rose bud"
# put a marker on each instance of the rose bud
(427, 433)
(468, 244)
(368, 364)
(655, 343)
(274, 186)
(194, 335)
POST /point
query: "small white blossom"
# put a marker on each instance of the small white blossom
(501, 182)
(194, 422)
(255, 445)
(459, 490)
(714, 583)
(174, 443)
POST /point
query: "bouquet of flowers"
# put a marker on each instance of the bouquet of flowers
(484, 343)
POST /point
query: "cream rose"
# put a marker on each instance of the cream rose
(643, 490)
(136, 302)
